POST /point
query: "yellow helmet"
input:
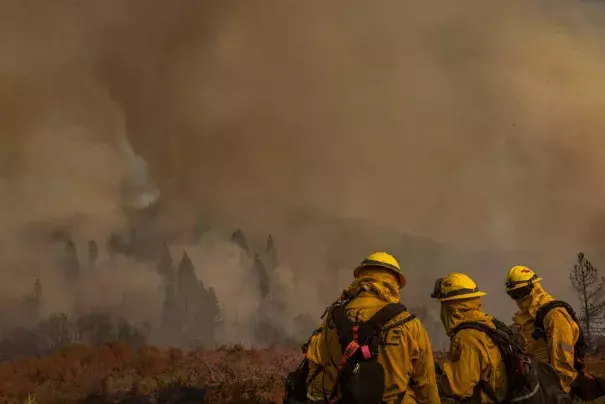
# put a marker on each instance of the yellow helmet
(520, 276)
(382, 260)
(455, 286)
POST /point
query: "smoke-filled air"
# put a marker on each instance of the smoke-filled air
(228, 163)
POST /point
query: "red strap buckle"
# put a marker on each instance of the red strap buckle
(365, 350)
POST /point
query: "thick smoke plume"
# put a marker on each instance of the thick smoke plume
(477, 124)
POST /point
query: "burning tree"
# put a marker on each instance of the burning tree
(591, 292)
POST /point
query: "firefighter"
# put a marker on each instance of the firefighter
(557, 344)
(473, 358)
(404, 351)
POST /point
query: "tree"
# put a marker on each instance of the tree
(271, 254)
(113, 247)
(204, 324)
(187, 282)
(170, 310)
(102, 327)
(263, 278)
(72, 265)
(238, 238)
(214, 306)
(591, 292)
(57, 329)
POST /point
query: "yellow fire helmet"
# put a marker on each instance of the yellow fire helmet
(520, 276)
(382, 260)
(455, 286)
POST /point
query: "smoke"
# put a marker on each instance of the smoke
(475, 124)
(224, 266)
(435, 119)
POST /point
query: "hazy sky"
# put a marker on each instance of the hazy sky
(478, 123)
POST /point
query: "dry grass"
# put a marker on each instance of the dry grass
(114, 372)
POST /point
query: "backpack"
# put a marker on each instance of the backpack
(529, 381)
(580, 347)
(295, 386)
(360, 376)
(296, 381)
(586, 386)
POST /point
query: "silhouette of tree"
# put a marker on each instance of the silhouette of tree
(81, 328)
(271, 254)
(204, 324)
(214, 306)
(72, 265)
(102, 328)
(125, 331)
(263, 277)
(204, 296)
(113, 247)
(113, 244)
(171, 315)
(187, 281)
(590, 288)
(170, 300)
(238, 238)
(57, 329)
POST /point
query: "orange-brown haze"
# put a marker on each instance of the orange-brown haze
(476, 124)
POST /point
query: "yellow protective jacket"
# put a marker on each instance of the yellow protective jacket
(561, 330)
(407, 357)
(524, 326)
(472, 357)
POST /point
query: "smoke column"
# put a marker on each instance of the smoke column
(477, 124)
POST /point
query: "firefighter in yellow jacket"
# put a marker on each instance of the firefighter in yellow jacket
(473, 356)
(404, 352)
(562, 332)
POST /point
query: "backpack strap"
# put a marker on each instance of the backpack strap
(374, 325)
(362, 332)
(545, 309)
(499, 337)
(540, 331)
(340, 318)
